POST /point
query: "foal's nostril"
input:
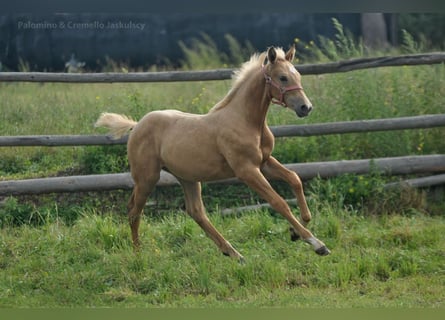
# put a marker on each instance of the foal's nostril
(305, 108)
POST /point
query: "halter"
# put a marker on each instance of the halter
(282, 89)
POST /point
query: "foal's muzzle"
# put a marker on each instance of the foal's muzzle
(303, 110)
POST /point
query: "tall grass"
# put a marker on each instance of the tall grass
(203, 53)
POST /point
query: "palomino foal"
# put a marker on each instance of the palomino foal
(231, 140)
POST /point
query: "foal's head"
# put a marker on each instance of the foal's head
(284, 81)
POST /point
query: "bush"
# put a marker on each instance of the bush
(104, 159)
(13, 213)
(367, 194)
(16, 212)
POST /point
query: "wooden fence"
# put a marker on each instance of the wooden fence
(397, 165)
(222, 74)
(102, 182)
(402, 123)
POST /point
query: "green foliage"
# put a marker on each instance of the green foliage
(409, 45)
(136, 106)
(10, 164)
(15, 212)
(350, 190)
(426, 28)
(367, 194)
(203, 53)
(104, 159)
(344, 46)
(345, 43)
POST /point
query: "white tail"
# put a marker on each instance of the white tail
(118, 124)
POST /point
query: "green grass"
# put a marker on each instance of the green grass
(390, 261)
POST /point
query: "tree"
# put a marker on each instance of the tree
(374, 31)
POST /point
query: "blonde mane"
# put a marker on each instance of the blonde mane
(255, 61)
(240, 75)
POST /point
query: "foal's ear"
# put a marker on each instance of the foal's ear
(271, 54)
(290, 55)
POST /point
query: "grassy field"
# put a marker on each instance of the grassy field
(390, 261)
(75, 250)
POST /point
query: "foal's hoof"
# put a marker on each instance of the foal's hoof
(293, 235)
(240, 259)
(323, 251)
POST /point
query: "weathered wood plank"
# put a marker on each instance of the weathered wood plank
(221, 74)
(394, 166)
(438, 179)
(59, 140)
(97, 182)
(390, 166)
(402, 123)
(416, 122)
(366, 63)
(112, 77)
(238, 210)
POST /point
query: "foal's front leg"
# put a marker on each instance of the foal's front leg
(253, 177)
(273, 169)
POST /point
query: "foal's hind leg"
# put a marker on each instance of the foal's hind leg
(195, 208)
(141, 191)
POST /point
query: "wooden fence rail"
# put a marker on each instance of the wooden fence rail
(402, 123)
(221, 74)
(102, 182)
(398, 165)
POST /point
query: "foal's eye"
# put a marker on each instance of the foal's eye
(283, 78)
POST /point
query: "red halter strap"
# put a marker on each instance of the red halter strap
(282, 89)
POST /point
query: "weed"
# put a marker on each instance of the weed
(13, 213)
(104, 159)
(203, 53)
(409, 45)
(344, 46)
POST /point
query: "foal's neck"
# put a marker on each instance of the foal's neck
(251, 101)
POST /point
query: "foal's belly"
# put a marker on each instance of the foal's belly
(198, 173)
(189, 151)
(193, 165)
